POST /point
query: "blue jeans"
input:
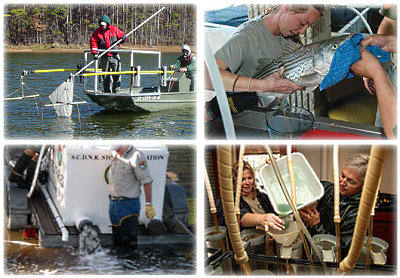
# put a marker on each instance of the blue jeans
(120, 208)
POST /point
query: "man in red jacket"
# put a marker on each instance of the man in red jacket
(103, 38)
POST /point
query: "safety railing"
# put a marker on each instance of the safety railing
(135, 71)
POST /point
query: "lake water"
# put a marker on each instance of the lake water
(27, 258)
(24, 120)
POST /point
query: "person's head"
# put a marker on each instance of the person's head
(186, 51)
(294, 19)
(248, 179)
(352, 177)
(119, 149)
(104, 22)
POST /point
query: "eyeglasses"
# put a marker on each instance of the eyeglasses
(103, 24)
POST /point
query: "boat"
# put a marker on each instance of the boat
(172, 90)
(76, 193)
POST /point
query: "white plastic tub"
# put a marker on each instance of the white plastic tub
(308, 187)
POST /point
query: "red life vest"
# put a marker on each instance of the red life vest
(185, 63)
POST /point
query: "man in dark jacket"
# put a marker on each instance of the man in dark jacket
(319, 217)
(187, 63)
(103, 38)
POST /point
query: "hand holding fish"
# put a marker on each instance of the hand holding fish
(368, 66)
(276, 83)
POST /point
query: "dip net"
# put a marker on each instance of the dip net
(62, 99)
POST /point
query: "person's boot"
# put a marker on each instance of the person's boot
(17, 172)
(117, 235)
(129, 231)
(30, 172)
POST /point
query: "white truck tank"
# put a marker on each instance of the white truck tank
(78, 182)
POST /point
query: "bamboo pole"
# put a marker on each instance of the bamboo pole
(369, 240)
(213, 209)
(371, 186)
(224, 156)
(293, 189)
(239, 182)
(336, 216)
(291, 173)
(294, 210)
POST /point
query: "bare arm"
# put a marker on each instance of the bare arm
(265, 220)
(274, 83)
(371, 68)
(147, 192)
(387, 27)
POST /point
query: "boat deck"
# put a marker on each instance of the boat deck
(50, 234)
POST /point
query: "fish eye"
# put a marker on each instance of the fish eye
(335, 46)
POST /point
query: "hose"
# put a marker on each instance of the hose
(221, 93)
(362, 18)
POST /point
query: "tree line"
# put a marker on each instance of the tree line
(74, 24)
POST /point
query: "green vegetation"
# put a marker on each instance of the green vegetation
(74, 24)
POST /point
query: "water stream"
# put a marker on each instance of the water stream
(88, 240)
(27, 258)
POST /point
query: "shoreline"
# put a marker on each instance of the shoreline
(36, 48)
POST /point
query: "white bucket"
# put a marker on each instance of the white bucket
(308, 187)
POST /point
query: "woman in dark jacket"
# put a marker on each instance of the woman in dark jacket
(255, 207)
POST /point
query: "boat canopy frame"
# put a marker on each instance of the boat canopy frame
(135, 71)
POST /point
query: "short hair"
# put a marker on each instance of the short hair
(246, 166)
(358, 163)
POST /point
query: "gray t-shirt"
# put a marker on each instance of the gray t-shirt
(251, 41)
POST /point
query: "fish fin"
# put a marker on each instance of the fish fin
(310, 89)
(290, 47)
(309, 80)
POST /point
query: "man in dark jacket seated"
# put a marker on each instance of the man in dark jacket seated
(319, 217)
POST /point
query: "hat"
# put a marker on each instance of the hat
(186, 47)
(106, 19)
(115, 147)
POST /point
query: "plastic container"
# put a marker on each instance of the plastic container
(214, 240)
(378, 252)
(289, 123)
(308, 187)
(327, 246)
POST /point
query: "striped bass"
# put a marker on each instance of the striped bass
(305, 66)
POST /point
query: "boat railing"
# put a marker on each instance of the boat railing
(135, 71)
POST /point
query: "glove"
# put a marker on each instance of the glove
(150, 212)
(96, 56)
(123, 39)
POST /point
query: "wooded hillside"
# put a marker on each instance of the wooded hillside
(27, 24)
